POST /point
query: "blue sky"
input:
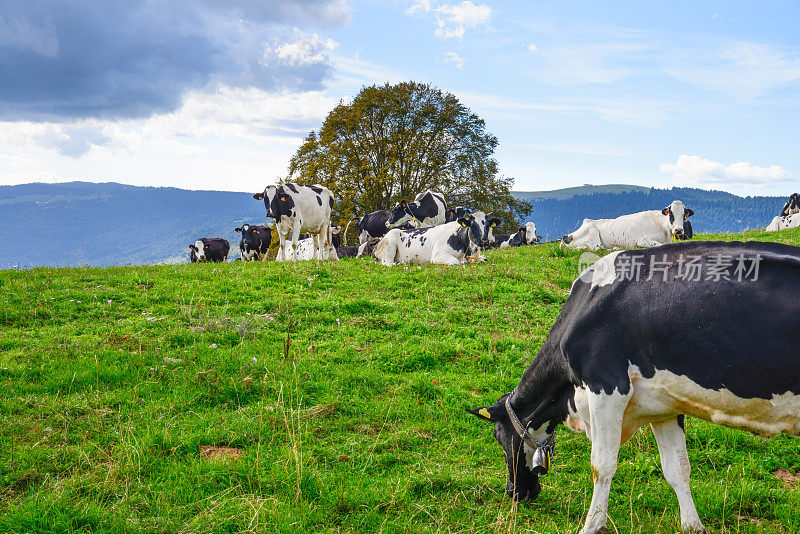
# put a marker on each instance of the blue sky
(203, 94)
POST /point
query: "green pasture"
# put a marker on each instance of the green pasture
(318, 397)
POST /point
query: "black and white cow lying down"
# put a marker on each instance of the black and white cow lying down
(213, 249)
(299, 208)
(643, 229)
(373, 225)
(526, 235)
(255, 241)
(306, 246)
(428, 209)
(784, 222)
(614, 361)
(448, 244)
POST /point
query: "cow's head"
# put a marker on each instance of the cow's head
(199, 249)
(401, 214)
(521, 460)
(677, 213)
(336, 236)
(268, 196)
(793, 206)
(454, 214)
(479, 227)
(530, 233)
(248, 235)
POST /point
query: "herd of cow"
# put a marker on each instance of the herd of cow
(428, 231)
(646, 336)
(423, 231)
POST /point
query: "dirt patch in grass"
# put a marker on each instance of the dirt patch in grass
(216, 453)
(787, 477)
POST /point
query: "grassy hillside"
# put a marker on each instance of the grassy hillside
(317, 398)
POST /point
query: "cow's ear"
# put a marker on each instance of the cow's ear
(464, 222)
(402, 203)
(665, 211)
(494, 222)
(259, 196)
(238, 230)
(688, 213)
(191, 247)
(335, 229)
(494, 413)
(521, 230)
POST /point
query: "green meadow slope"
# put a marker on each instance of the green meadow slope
(318, 398)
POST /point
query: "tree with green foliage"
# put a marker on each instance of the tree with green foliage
(394, 141)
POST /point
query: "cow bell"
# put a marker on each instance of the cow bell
(541, 461)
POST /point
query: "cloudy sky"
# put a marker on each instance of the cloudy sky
(212, 94)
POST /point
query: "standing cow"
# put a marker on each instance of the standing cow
(214, 249)
(647, 336)
(428, 209)
(255, 242)
(643, 229)
(448, 244)
(300, 208)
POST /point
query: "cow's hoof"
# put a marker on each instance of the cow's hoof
(601, 530)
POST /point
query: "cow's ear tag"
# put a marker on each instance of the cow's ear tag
(463, 226)
(485, 413)
(283, 198)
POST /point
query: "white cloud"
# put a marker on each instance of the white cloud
(452, 20)
(457, 61)
(419, 7)
(697, 171)
(305, 49)
(532, 48)
(741, 69)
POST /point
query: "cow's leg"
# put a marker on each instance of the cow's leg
(445, 259)
(671, 441)
(364, 237)
(315, 239)
(282, 246)
(605, 416)
(295, 238)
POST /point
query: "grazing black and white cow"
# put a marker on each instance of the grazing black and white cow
(784, 222)
(791, 207)
(643, 229)
(454, 214)
(213, 249)
(428, 209)
(255, 241)
(526, 235)
(448, 244)
(300, 208)
(618, 358)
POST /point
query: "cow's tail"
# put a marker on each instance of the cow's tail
(346, 228)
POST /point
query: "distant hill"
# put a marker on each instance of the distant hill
(588, 189)
(81, 223)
